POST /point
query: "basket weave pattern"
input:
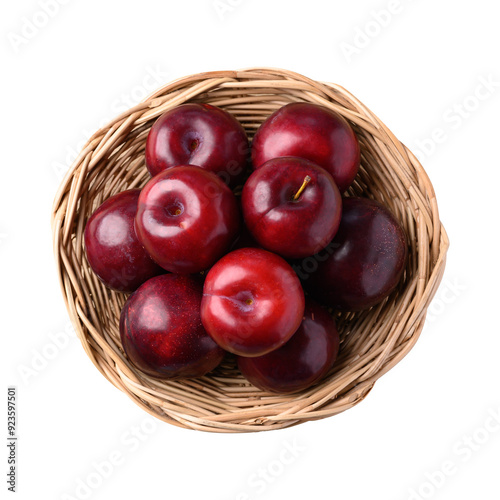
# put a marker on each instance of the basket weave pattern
(372, 341)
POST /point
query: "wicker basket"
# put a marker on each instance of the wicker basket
(372, 342)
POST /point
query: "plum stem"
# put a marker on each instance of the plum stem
(193, 145)
(307, 180)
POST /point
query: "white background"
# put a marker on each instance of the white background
(418, 69)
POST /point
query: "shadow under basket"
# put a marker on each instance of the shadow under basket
(372, 341)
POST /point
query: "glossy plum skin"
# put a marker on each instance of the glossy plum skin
(113, 250)
(312, 132)
(161, 329)
(366, 259)
(198, 134)
(302, 361)
(252, 303)
(288, 227)
(187, 218)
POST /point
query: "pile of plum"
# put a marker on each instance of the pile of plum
(250, 273)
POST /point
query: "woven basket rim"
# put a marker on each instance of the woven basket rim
(372, 342)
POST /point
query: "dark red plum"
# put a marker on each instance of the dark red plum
(198, 134)
(252, 303)
(161, 329)
(292, 206)
(187, 218)
(302, 361)
(113, 250)
(312, 132)
(365, 261)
